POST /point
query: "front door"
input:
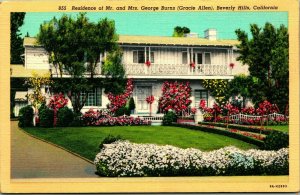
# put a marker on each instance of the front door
(142, 93)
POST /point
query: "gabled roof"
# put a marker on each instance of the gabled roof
(158, 40)
(19, 71)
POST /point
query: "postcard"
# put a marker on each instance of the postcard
(149, 96)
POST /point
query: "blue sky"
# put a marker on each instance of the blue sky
(162, 23)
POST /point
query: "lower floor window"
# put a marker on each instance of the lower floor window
(201, 95)
(94, 97)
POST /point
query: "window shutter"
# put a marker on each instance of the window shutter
(184, 58)
(135, 56)
(207, 58)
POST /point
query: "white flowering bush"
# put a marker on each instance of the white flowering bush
(123, 158)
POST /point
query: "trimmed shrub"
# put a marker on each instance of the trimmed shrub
(169, 118)
(46, 117)
(131, 104)
(26, 116)
(109, 139)
(64, 117)
(121, 111)
(122, 159)
(276, 140)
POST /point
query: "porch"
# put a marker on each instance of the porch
(177, 70)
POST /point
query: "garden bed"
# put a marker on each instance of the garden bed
(249, 128)
(230, 133)
(123, 158)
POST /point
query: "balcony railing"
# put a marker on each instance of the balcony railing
(177, 69)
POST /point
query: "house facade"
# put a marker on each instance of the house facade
(152, 60)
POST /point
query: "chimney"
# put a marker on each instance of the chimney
(191, 34)
(210, 34)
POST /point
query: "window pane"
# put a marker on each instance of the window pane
(200, 95)
(99, 97)
(207, 58)
(152, 57)
(199, 58)
(184, 58)
(141, 57)
(94, 97)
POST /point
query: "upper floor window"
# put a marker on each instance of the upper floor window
(139, 56)
(207, 58)
(202, 58)
(197, 58)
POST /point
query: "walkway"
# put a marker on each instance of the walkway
(32, 158)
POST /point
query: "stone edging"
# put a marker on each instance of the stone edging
(35, 137)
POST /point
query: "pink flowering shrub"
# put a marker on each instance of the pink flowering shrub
(57, 102)
(175, 96)
(118, 101)
(266, 107)
(104, 118)
(221, 113)
(249, 110)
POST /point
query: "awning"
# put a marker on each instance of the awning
(21, 96)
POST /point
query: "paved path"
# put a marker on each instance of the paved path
(32, 158)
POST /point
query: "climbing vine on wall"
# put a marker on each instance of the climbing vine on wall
(217, 88)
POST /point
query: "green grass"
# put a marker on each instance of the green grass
(85, 140)
(283, 128)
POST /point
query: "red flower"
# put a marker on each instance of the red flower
(231, 65)
(193, 110)
(150, 99)
(192, 64)
(148, 63)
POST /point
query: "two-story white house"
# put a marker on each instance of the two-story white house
(171, 59)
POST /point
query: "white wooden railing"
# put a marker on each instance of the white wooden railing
(152, 118)
(177, 69)
(239, 117)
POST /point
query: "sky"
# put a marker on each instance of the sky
(163, 23)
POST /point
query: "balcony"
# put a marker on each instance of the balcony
(177, 70)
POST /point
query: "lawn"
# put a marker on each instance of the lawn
(85, 140)
(283, 128)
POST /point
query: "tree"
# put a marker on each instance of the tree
(74, 46)
(36, 82)
(218, 88)
(266, 53)
(239, 86)
(180, 31)
(114, 71)
(16, 42)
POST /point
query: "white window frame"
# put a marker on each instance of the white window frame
(146, 56)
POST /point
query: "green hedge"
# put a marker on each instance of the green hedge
(46, 117)
(26, 116)
(64, 117)
(169, 118)
(222, 132)
(276, 140)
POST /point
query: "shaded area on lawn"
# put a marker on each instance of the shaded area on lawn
(85, 140)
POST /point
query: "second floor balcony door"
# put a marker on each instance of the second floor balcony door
(142, 93)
